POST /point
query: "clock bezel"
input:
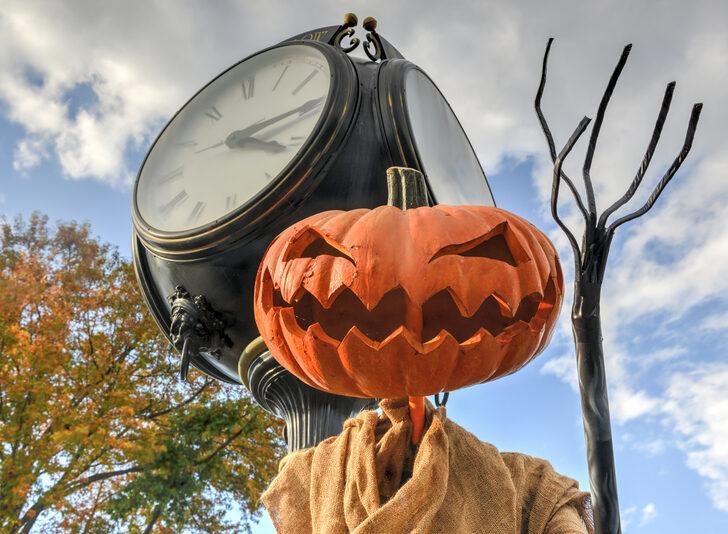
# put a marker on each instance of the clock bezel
(396, 124)
(285, 191)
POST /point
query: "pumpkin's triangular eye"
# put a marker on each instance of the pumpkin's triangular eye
(312, 244)
(499, 244)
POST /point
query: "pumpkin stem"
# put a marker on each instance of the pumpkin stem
(406, 188)
(417, 414)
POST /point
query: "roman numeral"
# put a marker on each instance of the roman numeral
(268, 176)
(279, 78)
(304, 82)
(196, 212)
(248, 86)
(171, 175)
(185, 144)
(231, 202)
(214, 113)
(178, 199)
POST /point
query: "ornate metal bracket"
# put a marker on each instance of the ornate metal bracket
(373, 45)
(195, 327)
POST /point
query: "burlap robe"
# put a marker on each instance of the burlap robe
(454, 484)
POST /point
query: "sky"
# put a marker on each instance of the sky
(86, 86)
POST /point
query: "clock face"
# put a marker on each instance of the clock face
(233, 139)
(447, 159)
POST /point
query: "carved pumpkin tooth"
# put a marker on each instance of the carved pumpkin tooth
(479, 356)
(404, 333)
(279, 346)
(322, 361)
(436, 341)
(298, 295)
(505, 308)
(317, 330)
(357, 352)
(520, 349)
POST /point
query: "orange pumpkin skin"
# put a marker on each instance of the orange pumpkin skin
(390, 303)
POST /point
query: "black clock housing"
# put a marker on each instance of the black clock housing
(363, 130)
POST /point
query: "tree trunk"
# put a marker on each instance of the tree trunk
(155, 516)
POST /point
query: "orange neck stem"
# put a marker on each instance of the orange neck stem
(417, 414)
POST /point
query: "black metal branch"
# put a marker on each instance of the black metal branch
(558, 162)
(692, 125)
(595, 133)
(664, 108)
(590, 267)
(547, 131)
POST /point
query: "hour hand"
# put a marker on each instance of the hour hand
(302, 109)
(235, 140)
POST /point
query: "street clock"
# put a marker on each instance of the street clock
(292, 130)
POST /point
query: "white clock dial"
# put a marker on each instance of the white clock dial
(233, 139)
(449, 163)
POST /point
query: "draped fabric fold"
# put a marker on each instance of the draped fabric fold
(370, 480)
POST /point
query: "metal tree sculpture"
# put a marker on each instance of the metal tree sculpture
(590, 262)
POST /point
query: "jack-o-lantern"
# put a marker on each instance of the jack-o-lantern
(391, 303)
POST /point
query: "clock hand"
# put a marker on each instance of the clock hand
(209, 147)
(235, 140)
(303, 108)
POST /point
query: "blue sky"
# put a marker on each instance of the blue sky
(86, 86)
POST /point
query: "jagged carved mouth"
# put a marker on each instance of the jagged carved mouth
(395, 309)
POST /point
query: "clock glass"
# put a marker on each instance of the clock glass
(448, 161)
(233, 139)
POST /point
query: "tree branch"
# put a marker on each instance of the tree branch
(188, 400)
(155, 517)
(103, 476)
(221, 447)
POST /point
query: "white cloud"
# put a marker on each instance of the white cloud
(627, 517)
(626, 404)
(697, 404)
(654, 447)
(717, 321)
(649, 512)
(563, 367)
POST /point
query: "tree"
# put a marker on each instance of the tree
(96, 434)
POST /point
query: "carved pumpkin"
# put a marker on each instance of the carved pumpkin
(391, 303)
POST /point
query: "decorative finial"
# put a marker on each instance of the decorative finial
(350, 19)
(369, 24)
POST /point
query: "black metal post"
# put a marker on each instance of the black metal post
(311, 415)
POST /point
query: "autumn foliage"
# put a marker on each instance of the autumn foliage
(96, 434)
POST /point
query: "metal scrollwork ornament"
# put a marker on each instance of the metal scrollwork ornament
(347, 30)
(373, 46)
(195, 327)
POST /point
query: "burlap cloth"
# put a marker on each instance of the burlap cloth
(368, 480)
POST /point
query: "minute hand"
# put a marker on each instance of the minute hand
(303, 108)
